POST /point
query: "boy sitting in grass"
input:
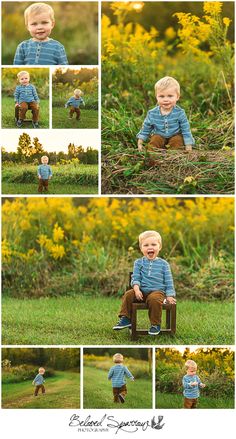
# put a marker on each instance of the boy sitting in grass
(191, 385)
(38, 382)
(74, 104)
(40, 49)
(167, 123)
(44, 174)
(152, 283)
(26, 98)
(117, 375)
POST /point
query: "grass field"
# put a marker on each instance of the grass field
(89, 320)
(67, 179)
(98, 391)
(8, 114)
(173, 401)
(60, 119)
(62, 391)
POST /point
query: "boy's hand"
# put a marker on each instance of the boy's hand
(140, 144)
(202, 385)
(17, 104)
(188, 148)
(194, 383)
(138, 293)
(65, 106)
(171, 299)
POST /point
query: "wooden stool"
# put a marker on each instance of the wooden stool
(170, 320)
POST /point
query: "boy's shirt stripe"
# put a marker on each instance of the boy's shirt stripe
(188, 390)
(44, 171)
(75, 102)
(32, 52)
(117, 375)
(153, 275)
(26, 93)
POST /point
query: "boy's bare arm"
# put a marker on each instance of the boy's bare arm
(140, 144)
(138, 293)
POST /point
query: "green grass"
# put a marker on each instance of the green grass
(8, 114)
(62, 391)
(88, 119)
(173, 401)
(54, 188)
(89, 320)
(98, 391)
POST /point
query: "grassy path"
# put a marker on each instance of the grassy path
(98, 391)
(89, 320)
(172, 401)
(62, 391)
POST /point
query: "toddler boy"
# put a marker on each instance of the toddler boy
(38, 382)
(44, 174)
(74, 104)
(152, 283)
(117, 375)
(40, 49)
(167, 123)
(191, 385)
(26, 98)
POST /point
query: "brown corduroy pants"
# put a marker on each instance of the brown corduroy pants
(37, 388)
(190, 403)
(42, 184)
(153, 300)
(75, 110)
(159, 142)
(33, 106)
(119, 391)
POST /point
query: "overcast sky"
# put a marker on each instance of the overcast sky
(52, 140)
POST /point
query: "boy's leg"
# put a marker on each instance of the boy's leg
(190, 403)
(72, 110)
(33, 106)
(40, 186)
(45, 185)
(115, 394)
(176, 142)
(194, 403)
(154, 302)
(43, 388)
(22, 110)
(36, 390)
(122, 393)
(77, 110)
(156, 142)
(126, 304)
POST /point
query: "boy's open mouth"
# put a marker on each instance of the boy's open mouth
(151, 253)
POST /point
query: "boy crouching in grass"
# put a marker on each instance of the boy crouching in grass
(38, 382)
(44, 174)
(117, 375)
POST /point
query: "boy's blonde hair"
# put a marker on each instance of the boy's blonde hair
(23, 72)
(44, 157)
(118, 358)
(38, 8)
(190, 364)
(148, 234)
(167, 82)
(78, 92)
(41, 370)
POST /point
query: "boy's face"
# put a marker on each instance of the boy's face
(24, 79)
(167, 98)
(44, 161)
(40, 26)
(191, 371)
(150, 247)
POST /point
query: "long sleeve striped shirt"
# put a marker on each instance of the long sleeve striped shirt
(117, 375)
(32, 52)
(153, 275)
(74, 102)
(38, 380)
(188, 390)
(26, 93)
(44, 171)
(166, 125)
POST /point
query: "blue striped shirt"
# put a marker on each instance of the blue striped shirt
(117, 375)
(26, 93)
(44, 171)
(153, 275)
(75, 102)
(32, 52)
(191, 391)
(166, 125)
(38, 380)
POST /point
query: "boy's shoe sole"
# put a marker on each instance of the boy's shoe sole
(156, 333)
(122, 400)
(117, 328)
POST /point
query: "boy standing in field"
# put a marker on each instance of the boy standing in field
(44, 174)
(74, 104)
(26, 98)
(152, 283)
(167, 123)
(117, 375)
(191, 385)
(40, 49)
(38, 382)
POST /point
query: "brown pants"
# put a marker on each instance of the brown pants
(153, 300)
(42, 184)
(33, 106)
(75, 110)
(119, 391)
(190, 403)
(37, 388)
(159, 142)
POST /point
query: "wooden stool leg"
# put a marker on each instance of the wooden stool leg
(173, 319)
(134, 335)
(168, 313)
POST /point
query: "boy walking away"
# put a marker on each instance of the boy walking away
(40, 49)
(167, 123)
(152, 283)
(26, 98)
(191, 385)
(38, 382)
(74, 104)
(117, 375)
(44, 174)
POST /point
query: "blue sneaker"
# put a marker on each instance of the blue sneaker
(154, 330)
(124, 322)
